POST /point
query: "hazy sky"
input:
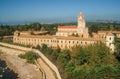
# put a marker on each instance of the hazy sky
(12, 11)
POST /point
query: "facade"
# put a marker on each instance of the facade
(81, 30)
(64, 37)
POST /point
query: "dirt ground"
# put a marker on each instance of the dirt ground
(25, 70)
(20, 66)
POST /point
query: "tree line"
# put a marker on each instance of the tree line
(84, 62)
(96, 26)
(9, 29)
(52, 28)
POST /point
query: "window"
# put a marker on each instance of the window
(73, 42)
(82, 36)
(109, 44)
(69, 41)
(110, 38)
(77, 42)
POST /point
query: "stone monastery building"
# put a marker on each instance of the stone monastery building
(66, 36)
(81, 29)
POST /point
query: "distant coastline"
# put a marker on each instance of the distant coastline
(52, 22)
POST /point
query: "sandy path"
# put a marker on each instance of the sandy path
(47, 70)
(49, 73)
(25, 70)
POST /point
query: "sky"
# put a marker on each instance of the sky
(23, 11)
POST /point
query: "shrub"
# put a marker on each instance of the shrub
(30, 56)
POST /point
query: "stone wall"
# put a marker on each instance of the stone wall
(51, 65)
(48, 62)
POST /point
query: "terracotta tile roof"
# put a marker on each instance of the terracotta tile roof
(110, 34)
(67, 26)
(116, 31)
(64, 31)
(25, 31)
(61, 37)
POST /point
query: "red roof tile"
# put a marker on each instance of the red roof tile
(67, 26)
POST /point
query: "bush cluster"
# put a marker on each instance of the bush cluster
(30, 56)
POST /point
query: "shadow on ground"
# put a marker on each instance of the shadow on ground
(6, 72)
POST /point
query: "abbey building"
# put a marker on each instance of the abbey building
(80, 29)
(65, 38)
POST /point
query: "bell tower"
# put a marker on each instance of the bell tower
(81, 24)
(81, 21)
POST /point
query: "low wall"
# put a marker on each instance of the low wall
(11, 51)
(41, 69)
(50, 64)
(15, 46)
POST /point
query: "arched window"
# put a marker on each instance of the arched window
(109, 44)
(73, 42)
(69, 41)
(110, 38)
(82, 36)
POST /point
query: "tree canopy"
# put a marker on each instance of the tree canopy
(93, 61)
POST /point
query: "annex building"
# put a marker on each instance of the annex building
(66, 36)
